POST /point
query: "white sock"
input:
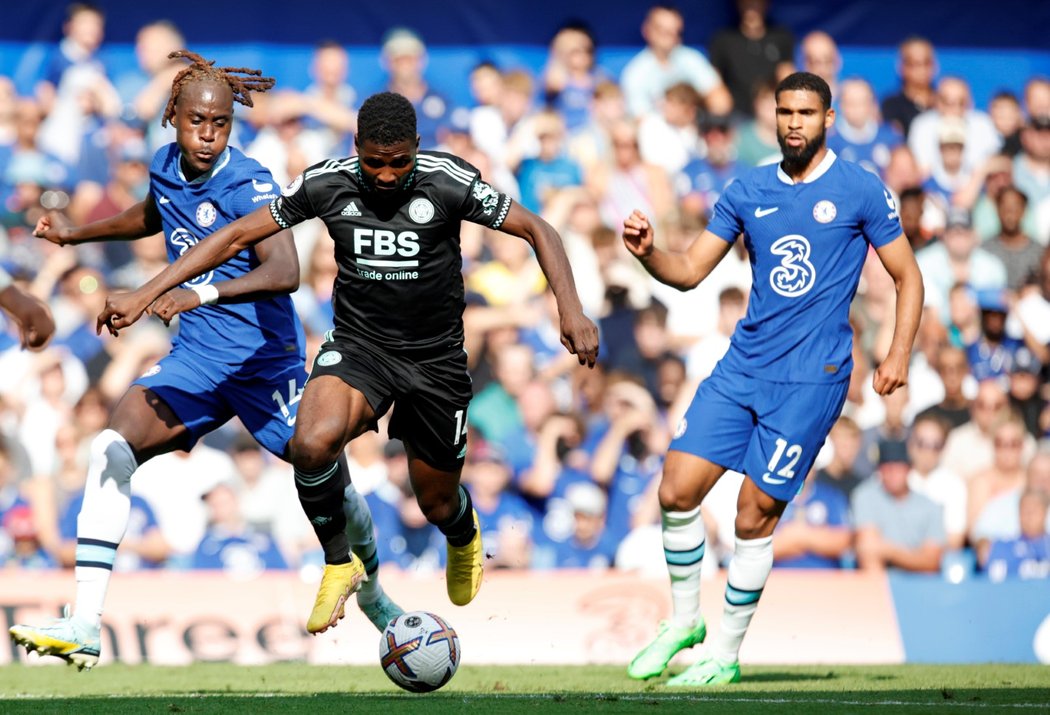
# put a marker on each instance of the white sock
(748, 570)
(684, 539)
(361, 533)
(102, 521)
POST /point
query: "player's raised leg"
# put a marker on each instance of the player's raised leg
(686, 480)
(757, 516)
(142, 426)
(331, 413)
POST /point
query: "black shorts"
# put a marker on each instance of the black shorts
(430, 393)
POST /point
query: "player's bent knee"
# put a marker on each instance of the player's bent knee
(673, 497)
(313, 451)
(112, 455)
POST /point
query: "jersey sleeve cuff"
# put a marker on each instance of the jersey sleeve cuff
(276, 213)
(501, 215)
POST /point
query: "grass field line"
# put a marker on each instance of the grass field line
(558, 697)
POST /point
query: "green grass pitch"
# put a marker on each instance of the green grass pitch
(298, 688)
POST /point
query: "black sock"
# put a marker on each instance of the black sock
(321, 495)
(459, 530)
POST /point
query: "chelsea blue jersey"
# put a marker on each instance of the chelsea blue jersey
(231, 333)
(807, 243)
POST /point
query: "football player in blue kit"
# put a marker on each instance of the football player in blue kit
(394, 215)
(807, 224)
(239, 352)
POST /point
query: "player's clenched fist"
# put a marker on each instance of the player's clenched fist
(175, 301)
(50, 227)
(638, 234)
(121, 311)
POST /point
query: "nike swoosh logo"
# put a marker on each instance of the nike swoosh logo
(261, 187)
(768, 479)
(759, 213)
(164, 200)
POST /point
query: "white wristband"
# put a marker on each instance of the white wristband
(5, 279)
(208, 294)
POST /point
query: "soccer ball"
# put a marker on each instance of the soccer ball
(419, 651)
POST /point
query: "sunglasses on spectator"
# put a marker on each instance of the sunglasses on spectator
(936, 445)
(1009, 443)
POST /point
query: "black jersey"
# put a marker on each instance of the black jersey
(400, 283)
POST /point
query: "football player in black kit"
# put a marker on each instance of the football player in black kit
(394, 214)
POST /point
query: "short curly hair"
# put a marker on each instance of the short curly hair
(385, 119)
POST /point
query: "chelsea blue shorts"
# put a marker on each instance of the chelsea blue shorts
(770, 431)
(204, 396)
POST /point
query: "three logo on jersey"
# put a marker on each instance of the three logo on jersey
(796, 274)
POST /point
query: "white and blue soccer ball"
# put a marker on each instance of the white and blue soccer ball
(419, 651)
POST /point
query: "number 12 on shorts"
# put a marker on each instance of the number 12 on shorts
(792, 452)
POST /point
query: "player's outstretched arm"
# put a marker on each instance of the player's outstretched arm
(138, 221)
(578, 334)
(35, 323)
(683, 271)
(124, 309)
(276, 274)
(899, 261)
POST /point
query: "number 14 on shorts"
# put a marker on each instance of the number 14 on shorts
(285, 407)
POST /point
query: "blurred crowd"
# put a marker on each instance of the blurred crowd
(951, 475)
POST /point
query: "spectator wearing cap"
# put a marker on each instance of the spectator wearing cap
(507, 519)
(957, 258)
(1027, 556)
(1015, 248)
(953, 100)
(949, 175)
(26, 551)
(896, 527)
(1024, 394)
(404, 57)
(991, 355)
(589, 545)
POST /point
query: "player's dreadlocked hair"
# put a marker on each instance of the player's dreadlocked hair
(202, 69)
(386, 118)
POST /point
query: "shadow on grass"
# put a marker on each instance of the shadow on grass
(724, 699)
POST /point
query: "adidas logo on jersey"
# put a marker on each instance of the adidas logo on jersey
(351, 210)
